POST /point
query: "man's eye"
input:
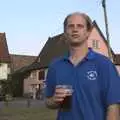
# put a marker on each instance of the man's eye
(80, 26)
(70, 26)
(77, 26)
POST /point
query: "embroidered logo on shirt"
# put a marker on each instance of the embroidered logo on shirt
(92, 75)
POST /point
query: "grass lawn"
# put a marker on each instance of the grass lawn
(27, 114)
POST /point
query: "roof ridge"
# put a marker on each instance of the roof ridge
(24, 55)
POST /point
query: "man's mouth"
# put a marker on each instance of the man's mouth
(75, 36)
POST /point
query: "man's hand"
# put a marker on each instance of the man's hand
(113, 112)
(60, 94)
(58, 97)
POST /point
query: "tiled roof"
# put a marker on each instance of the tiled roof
(19, 61)
(53, 48)
(33, 66)
(4, 53)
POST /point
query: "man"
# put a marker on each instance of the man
(94, 79)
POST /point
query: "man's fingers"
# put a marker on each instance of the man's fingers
(58, 99)
(60, 90)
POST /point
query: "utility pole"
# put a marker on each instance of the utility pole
(106, 27)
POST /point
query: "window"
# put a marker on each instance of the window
(38, 59)
(41, 75)
(33, 75)
(95, 44)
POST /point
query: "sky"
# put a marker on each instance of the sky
(29, 23)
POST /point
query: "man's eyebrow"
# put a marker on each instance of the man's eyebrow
(71, 24)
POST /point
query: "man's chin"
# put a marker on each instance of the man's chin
(76, 44)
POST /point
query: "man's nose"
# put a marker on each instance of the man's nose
(75, 29)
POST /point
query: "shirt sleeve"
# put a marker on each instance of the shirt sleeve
(50, 82)
(113, 86)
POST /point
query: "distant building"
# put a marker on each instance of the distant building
(11, 63)
(4, 58)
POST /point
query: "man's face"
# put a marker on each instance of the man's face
(76, 30)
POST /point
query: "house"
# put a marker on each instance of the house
(4, 60)
(11, 64)
(18, 64)
(55, 47)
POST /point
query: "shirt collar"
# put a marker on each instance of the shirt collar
(90, 55)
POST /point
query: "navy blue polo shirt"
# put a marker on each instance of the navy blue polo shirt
(95, 83)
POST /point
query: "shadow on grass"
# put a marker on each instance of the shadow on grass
(41, 113)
